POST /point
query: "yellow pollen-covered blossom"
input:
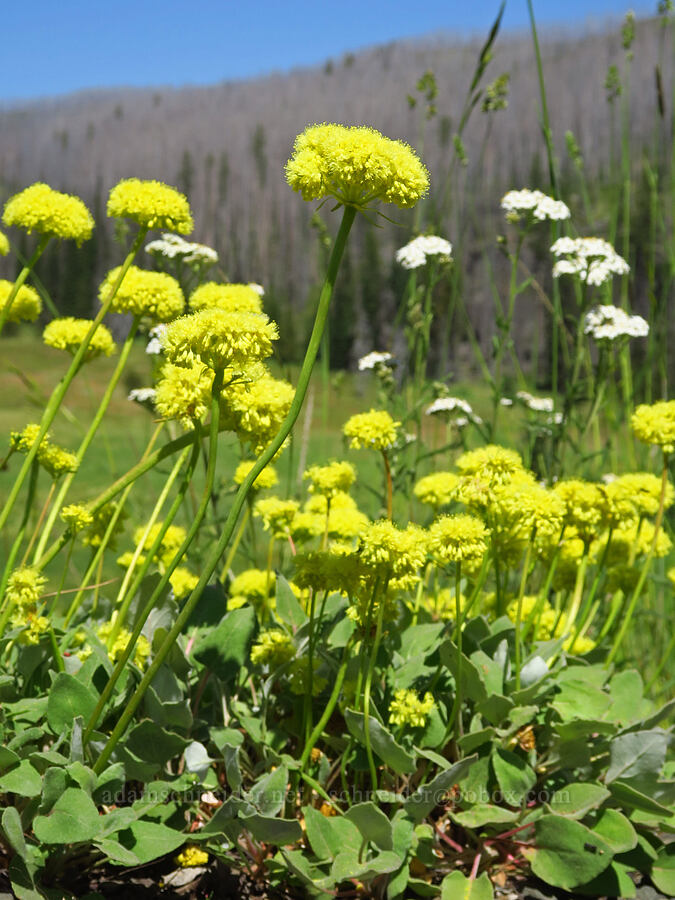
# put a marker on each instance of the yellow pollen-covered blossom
(328, 480)
(585, 506)
(33, 626)
(634, 495)
(578, 645)
(126, 559)
(375, 430)
(156, 295)
(52, 458)
(50, 213)
(170, 543)
(94, 534)
(183, 392)
(24, 586)
(68, 333)
(76, 517)
(636, 539)
(252, 586)
(228, 297)
(273, 648)
(545, 622)
(355, 166)
(4, 244)
(655, 424)
(191, 855)
(268, 478)
(524, 507)
(221, 340)
(183, 582)
(437, 489)
(24, 440)
(307, 525)
(497, 463)
(141, 650)
(276, 514)
(391, 552)
(26, 305)
(458, 538)
(255, 410)
(408, 709)
(150, 204)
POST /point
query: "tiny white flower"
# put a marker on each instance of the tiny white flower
(540, 206)
(609, 323)
(415, 253)
(449, 404)
(505, 401)
(372, 360)
(537, 404)
(142, 395)
(593, 259)
(155, 343)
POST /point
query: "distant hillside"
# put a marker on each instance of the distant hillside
(226, 146)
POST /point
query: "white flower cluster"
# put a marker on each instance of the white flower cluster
(593, 259)
(451, 405)
(540, 206)
(415, 253)
(536, 404)
(155, 343)
(373, 360)
(173, 246)
(143, 395)
(608, 323)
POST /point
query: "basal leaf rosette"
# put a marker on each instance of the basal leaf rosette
(50, 213)
(151, 204)
(154, 295)
(68, 333)
(356, 166)
(26, 306)
(221, 340)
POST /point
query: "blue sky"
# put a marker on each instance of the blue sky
(53, 48)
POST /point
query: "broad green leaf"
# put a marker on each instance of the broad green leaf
(576, 799)
(474, 739)
(496, 708)
(635, 754)
(117, 820)
(117, 853)
(288, 607)
(72, 819)
(68, 698)
(514, 776)
(420, 640)
(626, 690)
(330, 835)
(347, 866)
(271, 830)
(534, 671)
(491, 671)
(471, 677)
(54, 784)
(8, 758)
(152, 743)
(457, 886)
(232, 770)
(298, 863)
(372, 823)
(382, 742)
(615, 881)
(13, 831)
(484, 814)
(422, 888)
(629, 796)
(109, 784)
(269, 792)
(225, 649)
(150, 840)
(425, 798)
(197, 759)
(580, 700)
(22, 780)
(581, 728)
(616, 830)
(663, 870)
(83, 776)
(566, 853)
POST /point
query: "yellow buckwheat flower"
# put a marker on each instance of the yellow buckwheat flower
(153, 294)
(183, 582)
(375, 430)
(141, 650)
(391, 552)
(151, 204)
(94, 534)
(56, 460)
(220, 339)
(24, 586)
(277, 514)
(183, 392)
(328, 480)
(355, 166)
(68, 333)
(252, 586)
(228, 297)
(407, 709)
(437, 489)
(190, 856)
(634, 495)
(268, 478)
(170, 543)
(4, 244)
(50, 213)
(456, 538)
(256, 410)
(655, 424)
(33, 626)
(585, 506)
(273, 648)
(26, 305)
(76, 517)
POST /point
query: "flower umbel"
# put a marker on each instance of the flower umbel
(50, 213)
(150, 204)
(68, 333)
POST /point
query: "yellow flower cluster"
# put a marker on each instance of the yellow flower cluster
(183, 393)
(4, 244)
(24, 586)
(32, 625)
(273, 648)
(94, 534)
(50, 213)
(68, 333)
(345, 520)
(355, 166)
(26, 305)
(252, 586)
(150, 204)
(155, 295)
(408, 709)
(458, 538)
(52, 458)
(375, 430)
(268, 478)
(276, 514)
(183, 582)
(585, 508)
(329, 480)
(329, 570)
(141, 650)
(635, 495)
(76, 517)
(220, 339)
(521, 507)
(228, 297)
(437, 489)
(655, 424)
(483, 469)
(391, 552)
(256, 410)
(169, 545)
(191, 855)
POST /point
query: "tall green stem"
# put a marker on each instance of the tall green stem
(23, 275)
(218, 549)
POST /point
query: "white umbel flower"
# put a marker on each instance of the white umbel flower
(155, 343)
(610, 323)
(173, 246)
(415, 253)
(536, 404)
(539, 206)
(449, 404)
(593, 259)
(373, 360)
(143, 395)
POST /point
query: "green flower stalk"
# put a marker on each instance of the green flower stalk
(356, 167)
